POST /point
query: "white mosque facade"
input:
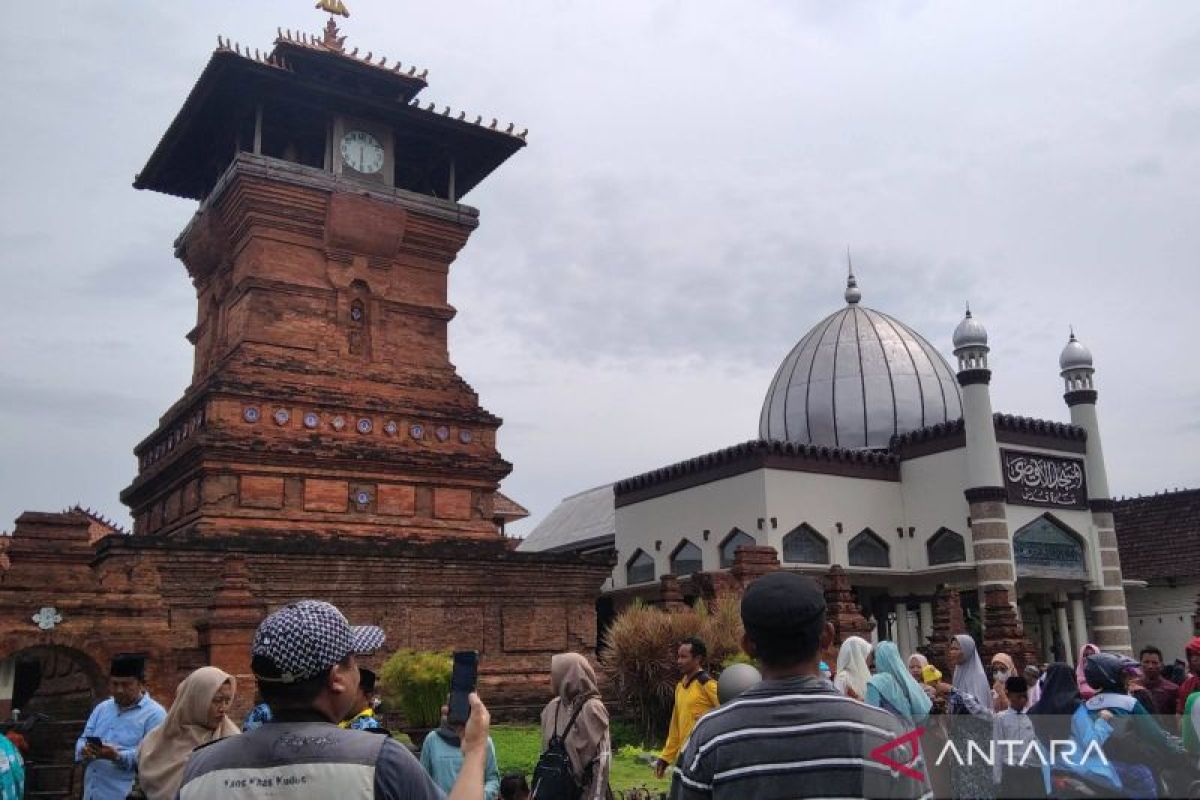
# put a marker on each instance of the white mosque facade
(876, 455)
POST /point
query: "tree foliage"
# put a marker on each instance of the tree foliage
(639, 654)
(418, 682)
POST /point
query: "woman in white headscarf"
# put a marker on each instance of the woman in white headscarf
(197, 716)
(971, 683)
(916, 665)
(969, 716)
(852, 670)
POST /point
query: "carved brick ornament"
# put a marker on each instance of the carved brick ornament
(47, 617)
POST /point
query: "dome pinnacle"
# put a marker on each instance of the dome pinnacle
(853, 293)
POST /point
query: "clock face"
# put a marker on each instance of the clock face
(362, 152)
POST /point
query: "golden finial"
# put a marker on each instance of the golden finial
(336, 7)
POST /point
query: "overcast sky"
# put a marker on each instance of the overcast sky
(694, 174)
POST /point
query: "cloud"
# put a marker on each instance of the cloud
(68, 407)
(677, 222)
(136, 274)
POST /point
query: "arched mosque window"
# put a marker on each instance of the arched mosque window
(946, 547)
(686, 559)
(868, 550)
(736, 538)
(640, 568)
(1046, 548)
(803, 545)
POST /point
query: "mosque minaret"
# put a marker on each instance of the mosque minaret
(1110, 617)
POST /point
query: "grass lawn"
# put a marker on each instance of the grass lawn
(518, 748)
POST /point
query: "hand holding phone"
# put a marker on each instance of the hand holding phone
(462, 683)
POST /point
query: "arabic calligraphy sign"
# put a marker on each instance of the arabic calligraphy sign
(1033, 479)
(1042, 549)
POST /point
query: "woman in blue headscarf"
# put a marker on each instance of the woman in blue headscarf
(893, 689)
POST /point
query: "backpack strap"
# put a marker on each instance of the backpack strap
(571, 723)
(1103, 700)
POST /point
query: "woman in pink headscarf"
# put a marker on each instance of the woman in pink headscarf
(1088, 649)
(1191, 684)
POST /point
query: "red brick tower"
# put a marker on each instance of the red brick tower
(323, 399)
(326, 446)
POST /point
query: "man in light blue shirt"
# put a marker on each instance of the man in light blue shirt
(113, 732)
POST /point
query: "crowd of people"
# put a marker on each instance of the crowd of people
(1109, 726)
(313, 731)
(793, 727)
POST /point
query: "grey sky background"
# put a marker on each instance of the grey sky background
(695, 172)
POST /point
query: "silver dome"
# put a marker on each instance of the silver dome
(1075, 355)
(969, 333)
(857, 379)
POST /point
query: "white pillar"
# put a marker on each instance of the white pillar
(1060, 614)
(926, 612)
(1046, 620)
(902, 632)
(1079, 621)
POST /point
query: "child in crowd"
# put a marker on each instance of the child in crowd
(514, 787)
(1013, 732)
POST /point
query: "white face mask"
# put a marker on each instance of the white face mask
(1001, 674)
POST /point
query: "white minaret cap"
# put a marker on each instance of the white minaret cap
(970, 333)
(1075, 356)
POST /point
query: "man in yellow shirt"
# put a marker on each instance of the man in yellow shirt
(364, 704)
(695, 696)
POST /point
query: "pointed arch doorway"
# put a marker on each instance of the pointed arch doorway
(53, 688)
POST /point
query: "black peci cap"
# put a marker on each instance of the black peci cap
(128, 665)
(782, 602)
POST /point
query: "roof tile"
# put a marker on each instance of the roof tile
(1159, 535)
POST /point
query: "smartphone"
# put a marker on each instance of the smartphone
(462, 683)
(94, 742)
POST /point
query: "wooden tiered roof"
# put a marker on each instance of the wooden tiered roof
(315, 72)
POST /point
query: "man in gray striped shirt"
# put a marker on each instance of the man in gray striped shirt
(793, 735)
